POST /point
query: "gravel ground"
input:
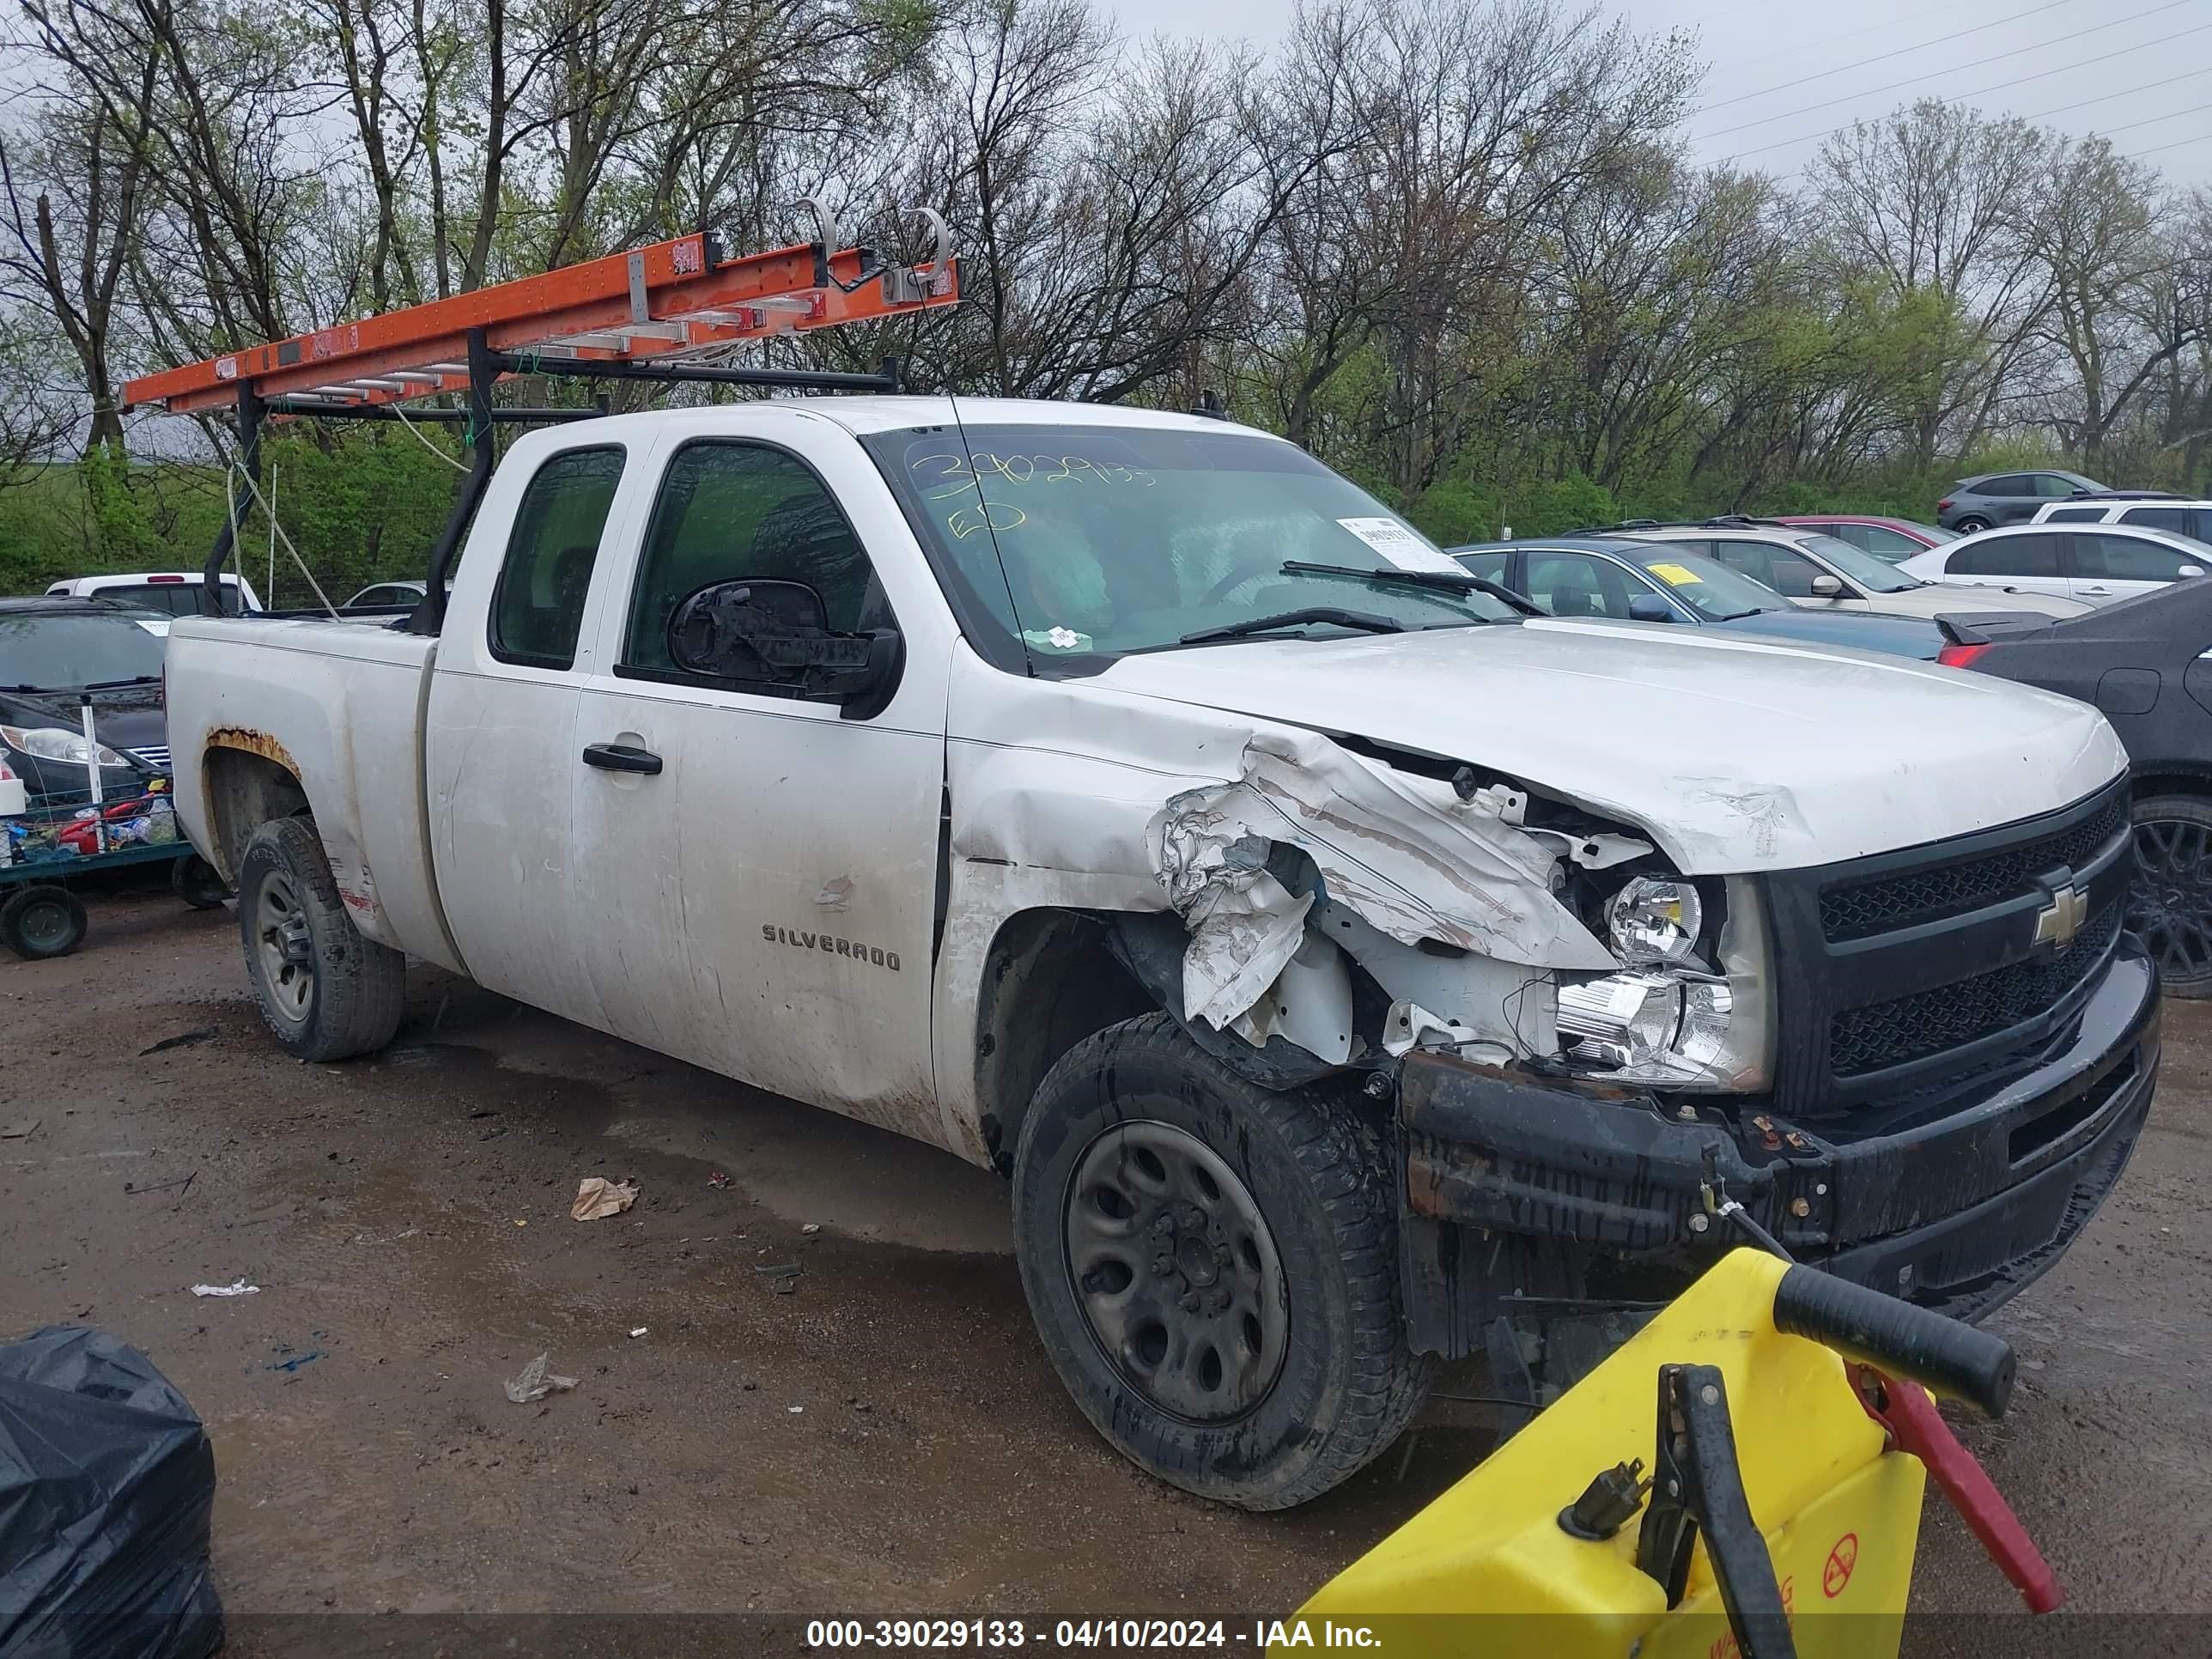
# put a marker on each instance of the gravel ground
(885, 1436)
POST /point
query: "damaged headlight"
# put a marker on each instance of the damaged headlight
(1651, 921)
(1670, 1025)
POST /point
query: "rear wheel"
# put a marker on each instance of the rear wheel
(196, 881)
(1971, 525)
(1212, 1267)
(2171, 904)
(42, 920)
(325, 992)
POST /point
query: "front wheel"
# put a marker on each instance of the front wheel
(2170, 905)
(1212, 1267)
(325, 992)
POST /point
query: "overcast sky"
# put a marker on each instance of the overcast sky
(1782, 72)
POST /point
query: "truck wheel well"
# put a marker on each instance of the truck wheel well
(244, 792)
(1049, 983)
(2145, 785)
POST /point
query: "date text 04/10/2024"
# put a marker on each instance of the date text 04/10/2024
(901, 1635)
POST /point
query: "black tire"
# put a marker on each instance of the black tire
(325, 992)
(1971, 525)
(41, 920)
(197, 882)
(2170, 906)
(1320, 1388)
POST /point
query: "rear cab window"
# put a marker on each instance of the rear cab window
(537, 609)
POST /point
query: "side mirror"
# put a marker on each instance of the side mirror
(1648, 607)
(1826, 586)
(777, 633)
(2187, 571)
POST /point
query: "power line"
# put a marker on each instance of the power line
(2193, 138)
(1840, 68)
(1886, 23)
(2152, 120)
(1961, 98)
(1931, 75)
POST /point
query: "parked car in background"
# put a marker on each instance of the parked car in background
(1990, 499)
(173, 592)
(2092, 565)
(1987, 501)
(1818, 571)
(1629, 580)
(391, 594)
(2178, 513)
(50, 645)
(1891, 540)
(2142, 663)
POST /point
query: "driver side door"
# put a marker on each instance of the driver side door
(756, 870)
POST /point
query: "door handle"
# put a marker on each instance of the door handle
(2096, 590)
(622, 757)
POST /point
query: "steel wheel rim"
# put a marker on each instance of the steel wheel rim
(287, 950)
(1175, 1271)
(45, 924)
(2170, 905)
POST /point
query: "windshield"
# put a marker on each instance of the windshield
(60, 653)
(1857, 565)
(1706, 585)
(1077, 541)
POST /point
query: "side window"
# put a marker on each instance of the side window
(1574, 585)
(1859, 535)
(2158, 518)
(2054, 487)
(1750, 557)
(2011, 484)
(1491, 566)
(2073, 515)
(2007, 556)
(539, 603)
(1886, 543)
(728, 510)
(2127, 558)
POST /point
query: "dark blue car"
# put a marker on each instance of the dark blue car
(1659, 582)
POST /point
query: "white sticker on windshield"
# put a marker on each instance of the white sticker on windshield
(1399, 547)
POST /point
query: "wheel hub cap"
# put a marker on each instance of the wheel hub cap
(2171, 904)
(288, 950)
(1176, 1271)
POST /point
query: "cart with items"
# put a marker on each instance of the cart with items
(48, 839)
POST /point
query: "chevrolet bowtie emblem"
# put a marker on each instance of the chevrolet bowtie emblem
(2059, 921)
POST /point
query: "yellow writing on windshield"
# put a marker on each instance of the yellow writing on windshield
(1673, 575)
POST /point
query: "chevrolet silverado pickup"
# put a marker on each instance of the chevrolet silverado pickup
(1347, 968)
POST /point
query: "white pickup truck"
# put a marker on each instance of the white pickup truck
(1347, 968)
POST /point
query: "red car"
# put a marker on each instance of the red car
(1892, 540)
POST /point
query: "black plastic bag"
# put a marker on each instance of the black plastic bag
(106, 1479)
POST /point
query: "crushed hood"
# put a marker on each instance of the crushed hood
(1734, 754)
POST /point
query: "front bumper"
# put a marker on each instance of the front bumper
(1957, 1212)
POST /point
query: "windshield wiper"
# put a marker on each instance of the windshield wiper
(1365, 621)
(1442, 582)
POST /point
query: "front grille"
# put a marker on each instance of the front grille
(156, 756)
(1862, 908)
(1884, 1034)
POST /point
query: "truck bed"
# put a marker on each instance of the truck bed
(340, 708)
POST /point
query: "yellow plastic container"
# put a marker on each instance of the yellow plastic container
(1487, 1569)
